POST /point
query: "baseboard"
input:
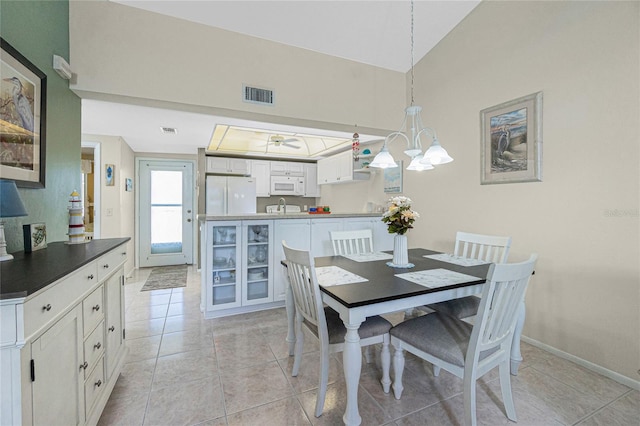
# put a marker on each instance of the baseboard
(627, 381)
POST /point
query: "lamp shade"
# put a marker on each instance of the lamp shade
(10, 203)
(436, 154)
(383, 160)
(418, 164)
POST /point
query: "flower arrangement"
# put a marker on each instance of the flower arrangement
(399, 218)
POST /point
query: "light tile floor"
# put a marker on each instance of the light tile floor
(184, 370)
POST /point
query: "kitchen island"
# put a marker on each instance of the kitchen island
(241, 254)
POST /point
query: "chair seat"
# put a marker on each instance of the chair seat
(441, 335)
(459, 308)
(372, 326)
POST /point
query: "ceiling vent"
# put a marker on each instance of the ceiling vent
(258, 96)
(169, 130)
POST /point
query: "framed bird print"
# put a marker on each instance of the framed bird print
(511, 135)
(23, 91)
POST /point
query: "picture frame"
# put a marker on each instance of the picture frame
(109, 174)
(393, 179)
(35, 236)
(23, 110)
(511, 141)
(128, 184)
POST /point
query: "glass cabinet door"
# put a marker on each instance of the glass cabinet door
(257, 270)
(225, 252)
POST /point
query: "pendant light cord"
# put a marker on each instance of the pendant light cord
(411, 52)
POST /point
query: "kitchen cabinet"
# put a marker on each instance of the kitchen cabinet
(321, 237)
(311, 187)
(339, 168)
(296, 232)
(287, 168)
(382, 239)
(58, 361)
(228, 165)
(257, 270)
(223, 288)
(261, 172)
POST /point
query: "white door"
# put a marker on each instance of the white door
(166, 212)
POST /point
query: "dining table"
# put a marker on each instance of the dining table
(360, 286)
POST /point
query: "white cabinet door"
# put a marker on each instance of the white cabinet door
(320, 237)
(287, 168)
(113, 319)
(338, 169)
(225, 165)
(382, 240)
(261, 172)
(257, 269)
(223, 254)
(58, 378)
(311, 187)
(296, 232)
(326, 171)
(344, 166)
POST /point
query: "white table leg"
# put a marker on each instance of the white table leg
(290, 306)
(516, 356)
(352, 362)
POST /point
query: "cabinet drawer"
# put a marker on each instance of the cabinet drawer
(93, 386)
(111, 261)
(93, 348)
(54, 299)
(92, 310)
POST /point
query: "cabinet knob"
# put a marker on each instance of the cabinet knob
(84, 365)
(97, 345)
(124, 253)
(98, 383)
(105, 266)
(46, 307)
(96, 308)
(112, 328)
(90, 277)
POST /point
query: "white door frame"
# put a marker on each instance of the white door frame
(97, 176)
(194, 222)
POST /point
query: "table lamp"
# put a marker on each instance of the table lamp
(10, 206)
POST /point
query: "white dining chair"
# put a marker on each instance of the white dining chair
(465, 350)
(325, 323)
(352, 242)
(490, 248)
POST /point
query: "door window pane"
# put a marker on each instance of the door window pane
(166, 212)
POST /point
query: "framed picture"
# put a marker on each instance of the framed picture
(128, 184)
(109, 174)
(35, 236)
(511, 139)
(23, 103)
(393, 179)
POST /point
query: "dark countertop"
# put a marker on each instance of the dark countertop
(29, 272)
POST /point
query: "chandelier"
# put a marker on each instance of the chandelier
(415, 130)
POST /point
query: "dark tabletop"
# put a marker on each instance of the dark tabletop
(383, 285)
(30, 272)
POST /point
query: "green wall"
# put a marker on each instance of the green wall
(38, 30)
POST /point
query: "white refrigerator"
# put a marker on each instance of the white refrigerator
(230, 195)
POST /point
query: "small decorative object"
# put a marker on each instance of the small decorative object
(35, 237)
(10, 206)
(128, 184)
(76, 224)
(511, 135)
(393, 178)
(110, 171)
(355, 146)
(399, 219)
(23, 110)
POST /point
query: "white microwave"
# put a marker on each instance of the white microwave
(287, 185)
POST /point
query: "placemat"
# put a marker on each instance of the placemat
(456, 260)
(334, 275)
(368, 257)
(435, 278)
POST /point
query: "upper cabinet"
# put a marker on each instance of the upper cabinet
(286, 168)
(311, 188)
(261, 172)
(339, 168)
(226, 166)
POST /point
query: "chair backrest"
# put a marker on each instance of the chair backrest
(499, 306)
(482, 247)
(352, 242)
(304, 286)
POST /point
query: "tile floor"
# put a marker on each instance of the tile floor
(184, 370)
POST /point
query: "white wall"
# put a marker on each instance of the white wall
(583, 217)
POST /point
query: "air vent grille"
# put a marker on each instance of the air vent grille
(258, 96)
(169, 130)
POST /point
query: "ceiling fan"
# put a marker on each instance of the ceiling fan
(277, 140)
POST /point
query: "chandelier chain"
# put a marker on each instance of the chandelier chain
(411, 52)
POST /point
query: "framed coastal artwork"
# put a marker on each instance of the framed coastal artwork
(109, 174)
(23, 103)
(128, 184)
(393, 179)
(511, 141)
(35, 236)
